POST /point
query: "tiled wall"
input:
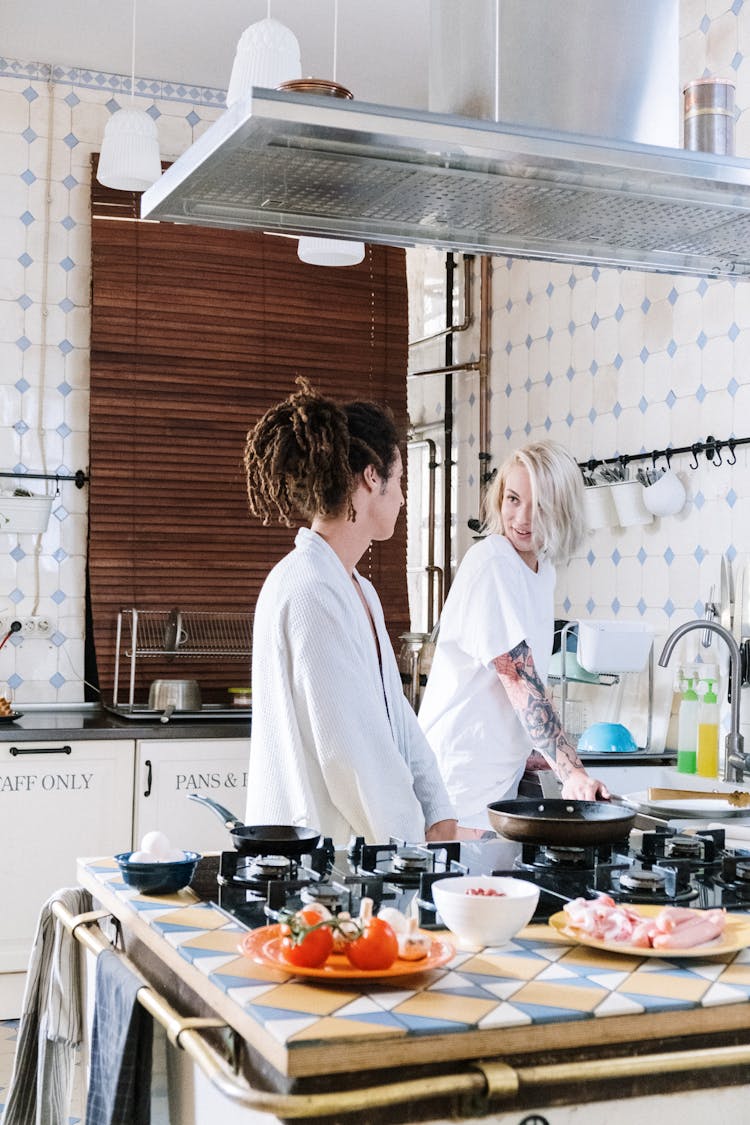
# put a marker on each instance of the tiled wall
(51, 120)
(609, 362)
(594, 387)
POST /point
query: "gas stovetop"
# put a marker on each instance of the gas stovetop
(666, 866)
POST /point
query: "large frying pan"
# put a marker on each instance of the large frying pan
(262, 839)
(557, 821)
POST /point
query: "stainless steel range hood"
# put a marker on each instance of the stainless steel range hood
(305, 164)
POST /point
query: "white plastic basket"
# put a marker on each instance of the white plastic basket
(614, 646)
(24, 515)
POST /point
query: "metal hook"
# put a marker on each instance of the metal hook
(668, 455)
(731, 450)
(718, 460)
(695, 449)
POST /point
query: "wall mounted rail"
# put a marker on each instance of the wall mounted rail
(78, 476)
(712, 448)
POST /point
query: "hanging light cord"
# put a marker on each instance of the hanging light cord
(335, 36)
(132, 59)
(497, 60)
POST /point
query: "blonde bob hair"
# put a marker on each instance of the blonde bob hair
(557, 494)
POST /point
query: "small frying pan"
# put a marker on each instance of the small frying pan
(557, 821)
(262, 839)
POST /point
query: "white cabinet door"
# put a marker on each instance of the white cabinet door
(58, 801)
(168, 769)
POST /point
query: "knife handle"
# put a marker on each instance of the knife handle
(686, 795)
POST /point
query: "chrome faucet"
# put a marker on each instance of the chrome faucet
(735, 760)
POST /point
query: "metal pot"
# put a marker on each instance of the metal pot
(414, 662)
(174, 695)
(557, 821)
(262, 839)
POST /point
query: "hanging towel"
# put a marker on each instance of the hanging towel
(121, 1040)
(51, 1023)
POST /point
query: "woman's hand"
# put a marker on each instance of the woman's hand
(580, 786)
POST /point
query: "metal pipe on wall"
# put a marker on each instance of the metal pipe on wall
(485, 308)
(450, 265)
(468, 318)
(431, 569)
(448, 370)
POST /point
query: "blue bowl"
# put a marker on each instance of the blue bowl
(607, 738)
(158, 878)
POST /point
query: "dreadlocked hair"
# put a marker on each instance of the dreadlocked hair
(304, 454)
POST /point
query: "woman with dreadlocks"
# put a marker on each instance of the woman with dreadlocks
(335, 745)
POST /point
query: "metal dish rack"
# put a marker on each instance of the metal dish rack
(187, 634)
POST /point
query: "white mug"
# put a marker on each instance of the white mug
(599, 507)
(666, 496)
(628, 498)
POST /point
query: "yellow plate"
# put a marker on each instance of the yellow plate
(736, 936)
(264, 947)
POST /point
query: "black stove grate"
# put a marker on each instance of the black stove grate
(668, 867)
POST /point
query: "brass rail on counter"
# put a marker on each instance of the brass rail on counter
(490, 1079)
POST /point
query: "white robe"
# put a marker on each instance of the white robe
(334, 746)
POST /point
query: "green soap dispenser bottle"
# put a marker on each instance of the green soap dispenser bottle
(687, 729)
(707, 754)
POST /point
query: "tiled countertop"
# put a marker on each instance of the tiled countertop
(538, 993)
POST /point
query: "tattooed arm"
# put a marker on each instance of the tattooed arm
(539, 717)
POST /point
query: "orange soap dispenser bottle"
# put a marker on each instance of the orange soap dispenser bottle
(707, 755)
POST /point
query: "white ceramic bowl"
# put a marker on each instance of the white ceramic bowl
(481, 920)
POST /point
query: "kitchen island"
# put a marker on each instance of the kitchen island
(541, 1026)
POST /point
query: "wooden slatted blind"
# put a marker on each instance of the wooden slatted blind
(195, 333)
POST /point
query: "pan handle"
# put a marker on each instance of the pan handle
(229, 819)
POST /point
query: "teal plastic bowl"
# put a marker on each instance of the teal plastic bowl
(607, 738)
(158, 878)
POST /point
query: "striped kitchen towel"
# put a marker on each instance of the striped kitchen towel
(51, 1023)
(121, 1041)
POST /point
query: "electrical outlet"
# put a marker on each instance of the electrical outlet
(36, 627)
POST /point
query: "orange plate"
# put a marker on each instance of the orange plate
(736, 936)
(264, 947)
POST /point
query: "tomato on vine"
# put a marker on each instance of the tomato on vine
(376, 946)
(307, 939)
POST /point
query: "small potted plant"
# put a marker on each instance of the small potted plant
(23, 513)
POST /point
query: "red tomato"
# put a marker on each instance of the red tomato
(377, 948)
(308, 942)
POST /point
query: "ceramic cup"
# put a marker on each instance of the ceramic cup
(599, 507)
(666, 496)
(628, 498)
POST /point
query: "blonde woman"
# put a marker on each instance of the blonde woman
(485, 709)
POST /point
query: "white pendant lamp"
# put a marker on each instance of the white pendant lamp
(331, 251)
(267, 55)
(129, 159)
